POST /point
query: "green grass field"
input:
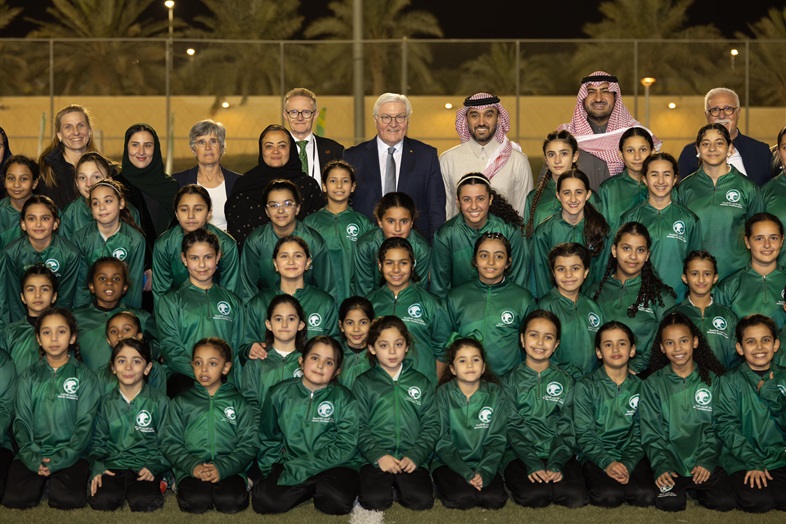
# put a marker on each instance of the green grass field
(306, 514)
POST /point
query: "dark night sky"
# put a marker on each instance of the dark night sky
(541, 19)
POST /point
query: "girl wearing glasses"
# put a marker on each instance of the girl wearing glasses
(282, 200)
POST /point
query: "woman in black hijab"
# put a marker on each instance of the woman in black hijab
(278, 158)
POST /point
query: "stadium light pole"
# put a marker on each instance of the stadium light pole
(647, 81)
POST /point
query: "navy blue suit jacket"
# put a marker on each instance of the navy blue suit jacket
(419, 176)
(756, 156)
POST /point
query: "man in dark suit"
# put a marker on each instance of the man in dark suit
(300, 111)
(750, 157)
(394, 162)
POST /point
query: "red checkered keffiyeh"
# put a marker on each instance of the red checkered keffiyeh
(502, 154)
(604, 145)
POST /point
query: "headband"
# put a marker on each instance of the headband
(470, 102)
(599, 78)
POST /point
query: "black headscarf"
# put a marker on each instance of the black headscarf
(245, 210)
(157, 188)
(7, 148)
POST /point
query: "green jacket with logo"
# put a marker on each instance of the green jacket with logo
(7, 398)
(491, 314)
(426, 318)
(10, 229)
(773, 196)
(397, 417)
(91, 338)
(473, 431)
(55, 410)
(746, 292)
(355, 363)
(551, 232)
(128, 435)
(78, 214)
(319, 307)
(366, 262)
(256, 261)
(750, 420)
(675, 231)
(453, 248)
(722, 210)
(308, 431)
(606, 419)
(62, 257)
(18, 339)
(677, 429)
(127, 244)
(718, 324)
(541, 424)
(341, 233)
(188, 314)
(219, 430)
(259, 375)
(169, 272)
(617, 195)
(579, 322)
(616, 297)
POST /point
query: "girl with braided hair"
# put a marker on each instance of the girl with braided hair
(631, 290)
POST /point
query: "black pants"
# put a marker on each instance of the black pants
(606, 492)
(227, 496)
(455, 492)
(6, 457)
(414, 490)
(760, 500)
(333, 491)
(67, 487)
(715, 493)
(142, 495)
(569, 492)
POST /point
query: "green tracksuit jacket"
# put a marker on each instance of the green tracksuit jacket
(750, 420)
(746, 292)
(188, 314)
(454, 245)
(548, 204)
(606, 419)
(62, 257)
(128, 435)
(18, 339)
(319, 307)
(219, 430)
(127, 244)
(426, 318)
(614, 300)
(91, 338)
(718, 324)
(78, 214)
(259, 375)
(551, 232)
(355, 363)
(7, 398)
(491, 314)
(341, 233)
(579, 321)
(677, 429)
(308, 431)
(366, 262)
(10, 229)
(473, 431)
(773, 195)
(256, 261)
(55, 410)
(618, 194)
(541, 425)
(722, 210)
(397, 417)
(169, 271)
(675, 231)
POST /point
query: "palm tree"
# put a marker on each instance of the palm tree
(245, 68)
(767, 62)
(14, 80)
(7, 13)
(680, 67)
(389, 20)
(496, 72)
(105, 67)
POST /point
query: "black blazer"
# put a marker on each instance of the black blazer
(189, 176)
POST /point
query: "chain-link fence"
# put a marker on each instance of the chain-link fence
(241, 83)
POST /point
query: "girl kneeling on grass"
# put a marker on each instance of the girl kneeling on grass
(309, 434)
(473, 411)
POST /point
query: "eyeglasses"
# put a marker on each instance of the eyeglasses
(728, 110)
(201, 143)
(388, 118)
(288, 204)
(293, 114)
